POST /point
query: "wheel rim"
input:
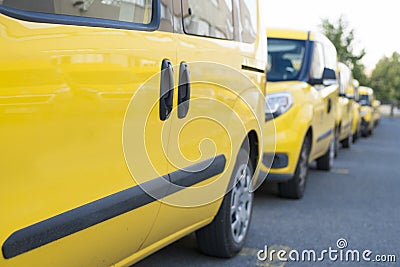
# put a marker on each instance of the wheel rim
(303, 165)
(241, 203)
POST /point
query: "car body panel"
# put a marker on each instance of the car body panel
(367, 97)
(73, 102)
(344, 120)
(314, 110)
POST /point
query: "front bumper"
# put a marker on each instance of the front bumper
(281, 164)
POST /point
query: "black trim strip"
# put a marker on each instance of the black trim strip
(85, 21)
(324, 135)
(347, 125)
(249, 68)
(103, 209)
(198, 172)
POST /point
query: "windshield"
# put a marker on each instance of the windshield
(364, 100)
(285, 59)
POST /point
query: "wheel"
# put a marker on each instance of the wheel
(226, 234)
(294, 188)
(325, 162)
(365, 133)
(337, 135)
(346, 143)
(364, 129)
(356, 135)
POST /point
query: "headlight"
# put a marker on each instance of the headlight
(277, 104)
(363, 113)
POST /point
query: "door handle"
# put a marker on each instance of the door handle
(166, 89)
(183, 90)
(329, 106)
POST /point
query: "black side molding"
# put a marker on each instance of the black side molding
(103, 209)
(249, 68)
(324, 135)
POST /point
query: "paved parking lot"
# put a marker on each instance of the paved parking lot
(359, 201)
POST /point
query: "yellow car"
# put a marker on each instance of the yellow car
(376, 104)
(345, 113)
(367, 111)
(302, 97)
(356, 124)
(126, 125)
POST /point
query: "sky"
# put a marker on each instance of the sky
(376, 23)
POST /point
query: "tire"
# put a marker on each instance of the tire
(346, 143)
(226, 234)
(365, 133)
(337, 135)
(325, 162)
(364, 129)
(294, 188)
(356, 135)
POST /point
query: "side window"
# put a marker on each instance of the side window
(136, 11)
(330, 55)
(166, 16)
(344, 78)
(248, 20)
(211, 18)
(318, 63)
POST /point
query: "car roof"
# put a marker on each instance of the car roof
(363, 90)
(289, 34)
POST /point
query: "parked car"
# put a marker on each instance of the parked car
(376, 104)
(103, 162)
(356, 124)
(345, 113)
(367, 111)
(302, 103)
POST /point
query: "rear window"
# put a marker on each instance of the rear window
(132, 11)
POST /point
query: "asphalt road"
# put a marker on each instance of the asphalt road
(359, 201)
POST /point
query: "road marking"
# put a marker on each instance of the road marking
(340, 171)
(252, 252)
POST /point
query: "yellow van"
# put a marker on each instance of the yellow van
(367, 111)
(126, 125)
(356, 124)
(377, 113)
(345, 113)
(302, 97)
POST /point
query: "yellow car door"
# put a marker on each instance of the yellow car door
(84, 126)
(325, 105)
(206, 131)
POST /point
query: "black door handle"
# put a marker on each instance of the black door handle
(183, 90)
(329, 106)
(166, 89)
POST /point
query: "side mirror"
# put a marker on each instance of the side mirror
(328, 78)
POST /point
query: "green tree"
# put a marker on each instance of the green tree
(385, 78)
(342, 36)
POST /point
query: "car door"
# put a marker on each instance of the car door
(201, 145)
(83, 133)
(324, 102)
